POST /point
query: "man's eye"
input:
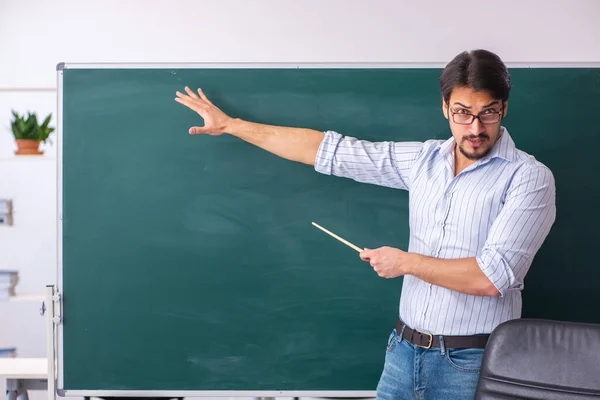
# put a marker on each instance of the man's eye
(461, 111)
(490, 111)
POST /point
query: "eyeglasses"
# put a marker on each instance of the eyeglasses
(485, 117)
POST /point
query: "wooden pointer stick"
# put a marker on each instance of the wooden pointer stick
(347, 243)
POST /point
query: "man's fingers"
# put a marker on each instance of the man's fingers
(203, 97)
(366, 255)
(196, 130)
(184, 96)
(192, 100)
(185, 100)
(191, 93)
(191, 103)
(189, 100)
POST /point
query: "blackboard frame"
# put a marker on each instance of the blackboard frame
(59, 344)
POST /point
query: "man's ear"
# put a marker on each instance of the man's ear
(505, 110)
(445, 108)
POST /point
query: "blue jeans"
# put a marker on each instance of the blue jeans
(412, 372)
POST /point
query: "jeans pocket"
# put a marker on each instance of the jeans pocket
(466, 360)
(393, 339)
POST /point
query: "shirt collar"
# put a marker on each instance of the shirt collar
(447, 147)
(504, 147)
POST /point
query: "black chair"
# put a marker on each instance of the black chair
(541, 359)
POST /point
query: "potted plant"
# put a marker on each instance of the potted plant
(29, 133)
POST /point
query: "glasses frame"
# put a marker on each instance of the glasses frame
(478, 116)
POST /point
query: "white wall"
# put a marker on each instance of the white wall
(36, 35)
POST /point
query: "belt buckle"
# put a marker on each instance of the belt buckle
(430, 340)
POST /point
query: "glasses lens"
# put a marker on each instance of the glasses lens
(490, 118)
(462, 118)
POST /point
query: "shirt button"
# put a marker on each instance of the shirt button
(433, 254)
(440, 223)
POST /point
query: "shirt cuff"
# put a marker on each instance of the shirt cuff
(497, 270)
(326, 152)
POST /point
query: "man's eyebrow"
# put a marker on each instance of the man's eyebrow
(461, 104)
(491, 104)
(486, 106)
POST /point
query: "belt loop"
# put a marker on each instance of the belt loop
(442, 346)
(401, 334)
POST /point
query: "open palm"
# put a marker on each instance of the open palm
(215, 120)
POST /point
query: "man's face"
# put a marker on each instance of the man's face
(474, 139)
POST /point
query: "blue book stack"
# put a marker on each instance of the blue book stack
(8, 281)
(9, 352)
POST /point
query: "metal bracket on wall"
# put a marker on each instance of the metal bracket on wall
(51, 306)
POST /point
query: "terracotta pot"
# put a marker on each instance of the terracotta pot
(28, 146)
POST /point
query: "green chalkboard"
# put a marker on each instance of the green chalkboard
(189, 263)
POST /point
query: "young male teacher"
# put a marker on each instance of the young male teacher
(479, 211)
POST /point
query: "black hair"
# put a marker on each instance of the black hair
(480, 70)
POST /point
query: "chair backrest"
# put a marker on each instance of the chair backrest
(541, 359)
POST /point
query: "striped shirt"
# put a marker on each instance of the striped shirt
(499, 210)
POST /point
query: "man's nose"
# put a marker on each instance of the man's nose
(476, 127)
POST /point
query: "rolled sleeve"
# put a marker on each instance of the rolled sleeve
(520, 229)
(380, 163)
(324, 160)
(498, 271)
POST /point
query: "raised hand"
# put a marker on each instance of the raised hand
(216, 121)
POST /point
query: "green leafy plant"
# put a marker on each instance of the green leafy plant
(29, 128)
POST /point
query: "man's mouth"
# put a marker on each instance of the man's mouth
(476, 141)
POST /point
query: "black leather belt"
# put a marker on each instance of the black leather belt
(427, 340)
